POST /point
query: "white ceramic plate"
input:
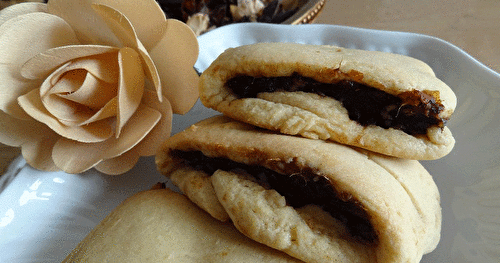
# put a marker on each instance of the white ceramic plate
(44, 215)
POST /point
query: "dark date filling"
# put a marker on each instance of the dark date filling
(299, 189)
(412, 112)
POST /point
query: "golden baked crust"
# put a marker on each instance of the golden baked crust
(319, 117)
(307, 233)
(399, 195)
(164, 226)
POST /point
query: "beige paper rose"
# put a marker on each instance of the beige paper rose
(92, 83)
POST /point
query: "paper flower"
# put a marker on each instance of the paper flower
(92, 83)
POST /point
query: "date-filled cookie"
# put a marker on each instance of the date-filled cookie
(315, 200)
(383, 102)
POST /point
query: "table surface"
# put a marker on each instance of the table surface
(473, 25)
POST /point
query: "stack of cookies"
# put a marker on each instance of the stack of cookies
(314, 159)
(316, 151)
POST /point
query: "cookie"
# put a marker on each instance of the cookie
(383, 102)
(164, 226)
(315, 200)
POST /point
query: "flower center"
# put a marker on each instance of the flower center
(83, 90)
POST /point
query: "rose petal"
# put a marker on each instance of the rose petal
(118, 165)
(124, 31)
(17, 38)
(76, 157)
(73, 94)
(52, 80)
(21, 9)
(105, 67)
(150, 144)
(119, 25)
(65, 111)
(81, 105)
(151, 72)
(24, 36)
(88, 25)
(60, 82)
(174, 57)
(109, 110)
(98, 131)
(14, 132)
(131, 86)
(70, 83)
(135, 131)
(38, 153)
(149, 30)
(44, 63)
(93, 93)
(10, 89)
